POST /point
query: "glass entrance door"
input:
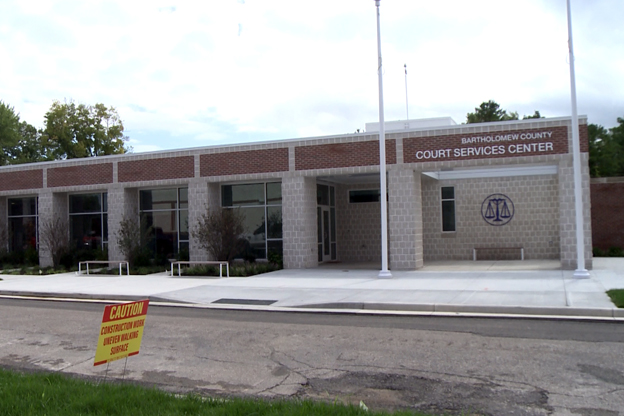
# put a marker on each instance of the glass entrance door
(326, 224)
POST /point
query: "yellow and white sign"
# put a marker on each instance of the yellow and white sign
(121, 331)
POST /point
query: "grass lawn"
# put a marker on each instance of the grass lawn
(55, 394)
(617, 297)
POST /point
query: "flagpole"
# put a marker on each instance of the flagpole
(406, 106)
(580, 272)
(384, 273)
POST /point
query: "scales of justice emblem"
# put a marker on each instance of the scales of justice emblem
(497, 209)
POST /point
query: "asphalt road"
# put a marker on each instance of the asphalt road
(454, 365)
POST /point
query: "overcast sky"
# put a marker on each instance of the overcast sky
(189, 73)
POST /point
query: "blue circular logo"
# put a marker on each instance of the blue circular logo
(497, 209)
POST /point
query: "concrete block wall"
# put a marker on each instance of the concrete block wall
(358, 226)
(197, 203)
(405, 224)
(203, 196)
(535, 225)
(123, 203)
(299, 222)
(52, 205)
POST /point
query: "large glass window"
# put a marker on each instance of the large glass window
(261, 205)
(22, 219)
(88, 220)
(165, 214)
(448, 208)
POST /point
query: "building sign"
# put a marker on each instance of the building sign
(121, 331)
(480, 146)
(497, 209)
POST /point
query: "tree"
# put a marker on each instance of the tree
(74, 131)
(490, 111)
(9, 132)
(606, 150)
(29, 148)
(219, 233)
(535, 115)
(132, 238)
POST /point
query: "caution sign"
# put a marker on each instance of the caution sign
(121, 331)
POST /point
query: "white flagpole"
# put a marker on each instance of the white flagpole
(384, 273)
(580, 271)
(406, 106)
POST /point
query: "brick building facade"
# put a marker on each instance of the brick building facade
(495, 186)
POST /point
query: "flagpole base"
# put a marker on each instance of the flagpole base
(581, 274)
(384, 274)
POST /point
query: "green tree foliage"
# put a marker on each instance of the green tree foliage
(536, 114)
(9, 132)
(491, 111)
(606, 150)
(30, 147)
(78, 130)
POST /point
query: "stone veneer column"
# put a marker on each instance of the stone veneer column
(51, 206)
(567, 215)
(123, 203)
(405, 227)
(201, 195)
(299, 222)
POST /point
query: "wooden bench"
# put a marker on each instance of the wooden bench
(474, 251)
(88, 262)
(220, 263)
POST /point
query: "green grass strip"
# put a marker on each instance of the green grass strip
(56, 394)
(617, 297)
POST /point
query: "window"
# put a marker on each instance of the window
(364, 195)
(448, 208)
(261, 205)
(22, 219)
(88, 221)
(165, 214)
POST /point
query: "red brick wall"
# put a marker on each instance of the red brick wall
(156, 169)
(343, 155)
(240, 163)
(607, 214)
(584, 137)
(80, 175)
(26, 179)
(447, 147)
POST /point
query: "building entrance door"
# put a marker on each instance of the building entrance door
(326, 224)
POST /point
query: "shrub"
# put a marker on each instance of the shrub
(218, 232)
(615, 252)
(54, 238)
(132, 238)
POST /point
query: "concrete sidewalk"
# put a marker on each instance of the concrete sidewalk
(533, 288)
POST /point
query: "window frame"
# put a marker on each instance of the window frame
(443, 212)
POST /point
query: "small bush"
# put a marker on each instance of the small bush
(598, 252)
(615, 252)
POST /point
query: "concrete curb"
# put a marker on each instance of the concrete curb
(448, 310)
